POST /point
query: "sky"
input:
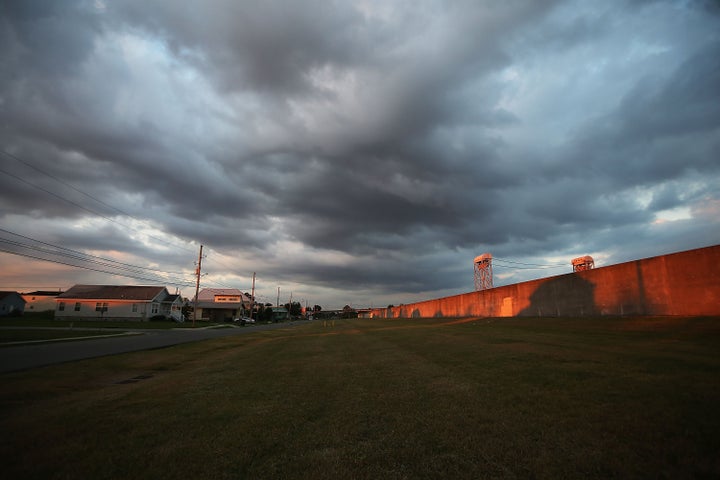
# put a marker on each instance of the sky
(353, 152)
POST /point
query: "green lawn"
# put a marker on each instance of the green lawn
(487, 398)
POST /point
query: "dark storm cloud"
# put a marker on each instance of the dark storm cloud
(375, 145)
(267, 46)
(38, 35)
(661, 129)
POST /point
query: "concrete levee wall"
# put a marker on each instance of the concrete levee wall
(684, 283)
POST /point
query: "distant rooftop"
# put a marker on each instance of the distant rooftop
(44, 293)
(116, 292)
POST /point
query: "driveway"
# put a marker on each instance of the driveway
(23, 357)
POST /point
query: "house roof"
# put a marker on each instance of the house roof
(113, 292)
(4, 295)
(44, 293)
(171, 298)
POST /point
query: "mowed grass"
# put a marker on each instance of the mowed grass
(484, 398)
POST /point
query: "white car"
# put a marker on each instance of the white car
(244, 320)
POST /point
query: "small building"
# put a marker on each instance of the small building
(117, 302)
(222, 304)
(280, 314)
(172, 307)
(11, 303)
(40, 300)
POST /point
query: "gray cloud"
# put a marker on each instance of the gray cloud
(361, 151)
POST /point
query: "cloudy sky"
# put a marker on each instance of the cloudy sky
(352, 152)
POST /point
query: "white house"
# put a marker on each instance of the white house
(40, 301)
(11, 303)
(222, 304)
(117, 302)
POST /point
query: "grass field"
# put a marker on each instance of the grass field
(485, 398)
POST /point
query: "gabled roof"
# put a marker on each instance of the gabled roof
(44, 293)
(3, 295)
(113, 292)
(171, 298)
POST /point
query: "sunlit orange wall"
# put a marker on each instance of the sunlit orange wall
(684, 283)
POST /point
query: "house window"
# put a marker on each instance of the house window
(134, 308)
(101, 306)
(77, 306)
(154, 308)
(61, 307)
(226, 299)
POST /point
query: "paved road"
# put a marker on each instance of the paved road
(23, 357)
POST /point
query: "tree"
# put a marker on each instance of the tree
(294, 308)
(317, 308)
(348, 312)
(187, 311)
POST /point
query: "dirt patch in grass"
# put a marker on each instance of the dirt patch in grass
(510, 398)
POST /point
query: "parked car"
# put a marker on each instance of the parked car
(244, 320)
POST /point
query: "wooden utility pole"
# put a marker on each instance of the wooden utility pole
(252, 297)
(197, 285)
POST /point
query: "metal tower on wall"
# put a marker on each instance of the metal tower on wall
(583, 263)
(483, 272)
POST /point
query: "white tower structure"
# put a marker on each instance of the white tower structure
(483, 272)
(583, 263)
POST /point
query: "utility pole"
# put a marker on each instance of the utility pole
(252, 297)
(278, 298)
(197, 285)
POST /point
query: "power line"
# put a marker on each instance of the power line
(137, 277)
(105, 204)
(99, 264)
(530, 264)
(67, 254)
(59, 180)
(547, 267)
(77, 204)
(81, 255)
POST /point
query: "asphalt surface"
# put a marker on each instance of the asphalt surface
(22, 357)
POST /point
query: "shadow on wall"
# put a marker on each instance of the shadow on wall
(566, 295)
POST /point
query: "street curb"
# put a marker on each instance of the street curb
(66, 339)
